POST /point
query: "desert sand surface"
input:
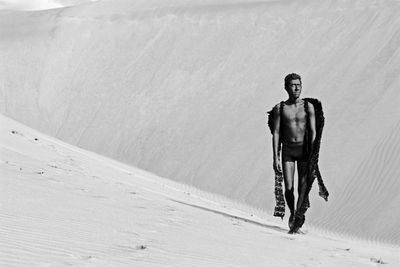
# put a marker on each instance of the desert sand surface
(34, 5)
(181, 89)
(64, 206)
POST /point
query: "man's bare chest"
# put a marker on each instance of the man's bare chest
(293, 114)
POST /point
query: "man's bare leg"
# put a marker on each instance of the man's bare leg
(302, 185)
(288, 176)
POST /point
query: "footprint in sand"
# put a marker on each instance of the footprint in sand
(16, 132)
(343, 249)
(378, 261)
(338, 252)
(81, 257)
(236, 222)
(290, 238)
(34, 140)
(170, 208)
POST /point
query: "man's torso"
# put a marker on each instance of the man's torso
(293, 122)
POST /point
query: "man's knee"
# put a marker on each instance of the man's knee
(302, 184)
(289, 184)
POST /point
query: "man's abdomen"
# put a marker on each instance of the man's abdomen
(293, 134)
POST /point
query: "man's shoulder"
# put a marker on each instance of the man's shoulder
(312, 101)
(278, 105)
(308, 104)
(274, 108)
(315, 104)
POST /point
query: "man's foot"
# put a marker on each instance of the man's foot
(291, 221)
(295, 230)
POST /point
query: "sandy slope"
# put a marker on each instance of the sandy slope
(180, 88)
(61, 206)
(38, 4)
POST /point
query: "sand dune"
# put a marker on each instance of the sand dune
(33, 5)
(180, 88)
(63, 206)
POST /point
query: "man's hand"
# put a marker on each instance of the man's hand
(277, 166)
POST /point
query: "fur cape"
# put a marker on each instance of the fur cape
(312, 166)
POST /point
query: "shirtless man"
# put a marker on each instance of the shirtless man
(289, 129)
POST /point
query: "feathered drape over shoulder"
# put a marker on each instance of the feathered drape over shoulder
(312, 167)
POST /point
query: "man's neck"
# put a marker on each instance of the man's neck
(294, 101)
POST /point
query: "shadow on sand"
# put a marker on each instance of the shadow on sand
(273, 227)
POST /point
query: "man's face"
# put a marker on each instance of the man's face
(294, 88)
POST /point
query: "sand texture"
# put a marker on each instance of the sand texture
(181, 89)
(63, 206)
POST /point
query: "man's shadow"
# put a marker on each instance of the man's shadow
(273, 227)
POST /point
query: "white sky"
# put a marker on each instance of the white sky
(38, 4)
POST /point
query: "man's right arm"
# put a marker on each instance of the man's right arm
(275, 138)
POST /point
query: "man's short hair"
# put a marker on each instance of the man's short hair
(290, 77)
